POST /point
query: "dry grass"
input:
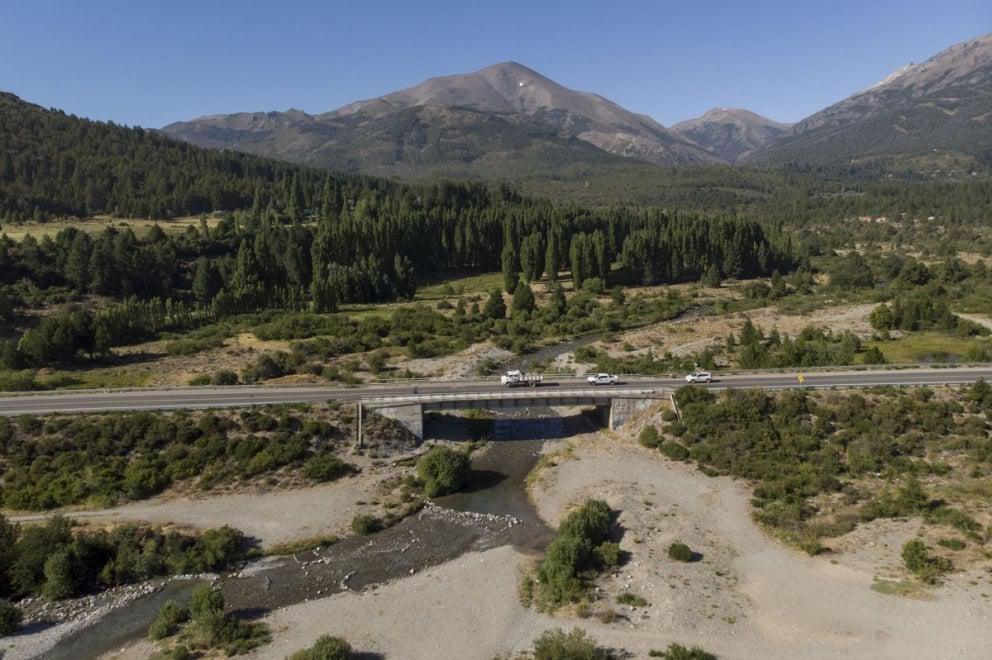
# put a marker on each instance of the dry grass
(99, 223)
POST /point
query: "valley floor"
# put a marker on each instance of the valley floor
(748, 596)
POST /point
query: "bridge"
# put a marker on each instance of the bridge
(616, 405)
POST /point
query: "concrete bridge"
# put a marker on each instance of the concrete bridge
(617, 405)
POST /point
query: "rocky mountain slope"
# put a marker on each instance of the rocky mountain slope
(504, 119)
(729, 133)
(942, 105)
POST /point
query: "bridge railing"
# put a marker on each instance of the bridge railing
(518, 394)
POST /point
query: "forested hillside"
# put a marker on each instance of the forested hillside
(55, 164)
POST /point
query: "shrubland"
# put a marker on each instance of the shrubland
(55, 460)
(821, 462)
(53, 560)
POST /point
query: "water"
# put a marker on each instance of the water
(499, 474)
(121, 625)
(432, 537)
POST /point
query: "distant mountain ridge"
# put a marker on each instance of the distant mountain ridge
(730, 133)
(942, 104)
(501, 120)
(507, 121)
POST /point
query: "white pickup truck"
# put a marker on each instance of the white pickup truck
(603, 379)
(516, 378)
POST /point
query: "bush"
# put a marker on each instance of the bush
(325, 467)
(674, 451)
(679, 652)
(364, 524)
(325, 648)
(206, 604)
(571, 552)
(952, 544)
(924, 565)
(443, 471)
(61, 576)
(681, 552)
(224, 377)
(608, 554)
(558, 645)
(649, 437)
(10, 617)
(628, 598)
(170, 616)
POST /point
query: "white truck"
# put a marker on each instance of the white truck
(603, 379)
(517, 378)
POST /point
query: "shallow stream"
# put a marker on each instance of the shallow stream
(494, 510)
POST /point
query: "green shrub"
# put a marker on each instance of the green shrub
(224, 377)
(925, 566)
(628, 598)
(571, 552)
(952, 544)
(443, 471)
(681, 552)
(61, 576)
(608, 554)
(364, 524)
(556, 644)
(649, 437)
(591, 522)
(674, 451)
(206, 604)
(168, 620)
(679, 652)
(325, 648)
(10, 617)
(325, 467)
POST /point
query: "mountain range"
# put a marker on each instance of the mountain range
(508, 121)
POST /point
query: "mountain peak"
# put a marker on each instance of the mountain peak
(729, 133)
(941, 104)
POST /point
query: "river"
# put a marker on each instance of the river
(493, 510)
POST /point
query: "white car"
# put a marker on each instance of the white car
(699, 377)
(603, 379)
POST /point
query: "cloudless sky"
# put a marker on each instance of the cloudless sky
(151, 62)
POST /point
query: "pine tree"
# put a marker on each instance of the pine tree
(495, 306)
(511, 267)
(405, 278)
(523, 298)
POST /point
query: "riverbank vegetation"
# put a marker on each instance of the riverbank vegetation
(821, 462)
(203, 627)
(102, 459)
(581, 548)
(53, 560)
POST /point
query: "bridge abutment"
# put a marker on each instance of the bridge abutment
(410, 415)
(622, 410)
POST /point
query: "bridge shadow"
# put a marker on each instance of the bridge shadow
(510, 424)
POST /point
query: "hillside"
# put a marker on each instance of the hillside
(56, 164)
(505, 121)
(938, 108)
(729, 133)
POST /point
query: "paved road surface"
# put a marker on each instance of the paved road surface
(219, 397)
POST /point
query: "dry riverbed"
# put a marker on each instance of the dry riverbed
(748, 596)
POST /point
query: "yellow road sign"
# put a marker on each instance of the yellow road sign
(801, 378)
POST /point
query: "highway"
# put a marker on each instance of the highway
(226, 397)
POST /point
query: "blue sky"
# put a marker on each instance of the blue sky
(150, 62)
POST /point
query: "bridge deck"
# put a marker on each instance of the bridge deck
(515, 397)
